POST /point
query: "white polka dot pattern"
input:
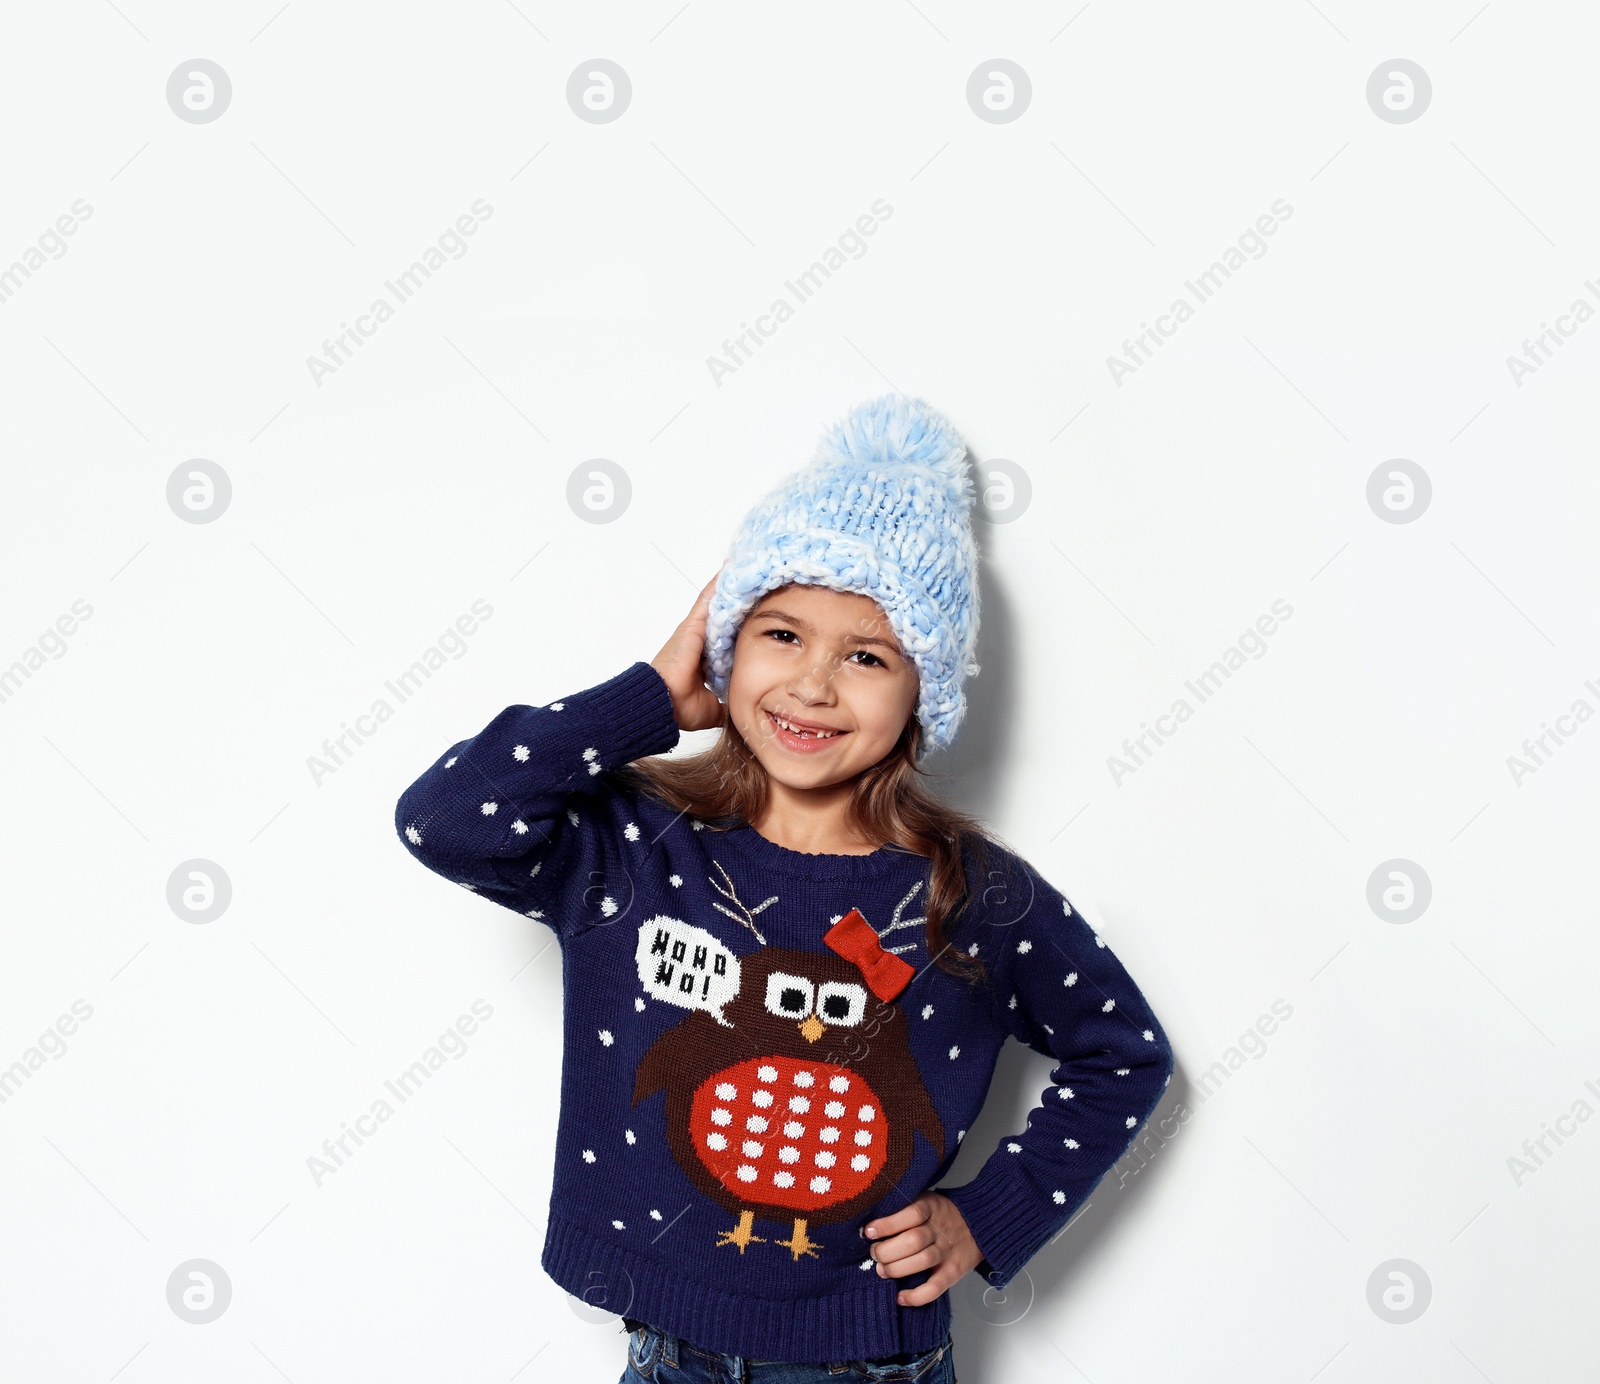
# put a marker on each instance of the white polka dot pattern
(830, 1150)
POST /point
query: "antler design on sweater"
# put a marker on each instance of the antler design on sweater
(746, 916)
(899, 922)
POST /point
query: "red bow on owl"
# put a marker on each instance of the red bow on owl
(853, 938)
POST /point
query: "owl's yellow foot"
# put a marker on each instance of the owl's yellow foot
(801, 1243)
(743, 1233)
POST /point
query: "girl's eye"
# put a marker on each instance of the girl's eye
(775, 633)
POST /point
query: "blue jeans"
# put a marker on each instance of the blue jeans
(661, 1358)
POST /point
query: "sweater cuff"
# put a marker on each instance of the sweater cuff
(1005, 1221)
(635, 708)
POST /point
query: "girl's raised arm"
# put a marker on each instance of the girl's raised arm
(520, 812)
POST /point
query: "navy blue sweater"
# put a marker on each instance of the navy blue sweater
(758, 1056)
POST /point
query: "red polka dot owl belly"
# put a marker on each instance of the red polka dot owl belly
(787, 1132)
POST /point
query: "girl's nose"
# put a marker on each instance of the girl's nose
(814, 686)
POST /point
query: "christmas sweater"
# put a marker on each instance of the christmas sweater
(758, 1056)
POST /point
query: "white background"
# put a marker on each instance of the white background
(1168, 512)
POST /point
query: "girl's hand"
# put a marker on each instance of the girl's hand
(928, 1234)
(693, 703)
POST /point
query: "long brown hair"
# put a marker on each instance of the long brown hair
(726, 786)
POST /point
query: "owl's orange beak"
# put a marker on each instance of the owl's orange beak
(813, 1028)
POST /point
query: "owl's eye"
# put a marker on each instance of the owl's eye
(789, 997)
(841, 1003)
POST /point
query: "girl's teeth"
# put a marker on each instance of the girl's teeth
(806, 734)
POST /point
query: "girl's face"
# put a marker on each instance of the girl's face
(815, 657)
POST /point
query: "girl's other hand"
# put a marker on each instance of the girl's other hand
(928, 1234)
(680, 663)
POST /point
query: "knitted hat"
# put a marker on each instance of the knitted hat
(884, 509)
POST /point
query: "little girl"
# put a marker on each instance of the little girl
(789, 967)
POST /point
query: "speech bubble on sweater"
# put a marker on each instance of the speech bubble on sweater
(686, 966)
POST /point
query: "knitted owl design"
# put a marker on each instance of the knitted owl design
(791, 1091)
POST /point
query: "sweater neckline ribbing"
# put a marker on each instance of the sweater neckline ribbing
(769, 855)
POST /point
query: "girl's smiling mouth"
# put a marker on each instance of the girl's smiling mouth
(800, 740)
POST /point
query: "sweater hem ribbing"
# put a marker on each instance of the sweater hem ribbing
(858, 1325)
